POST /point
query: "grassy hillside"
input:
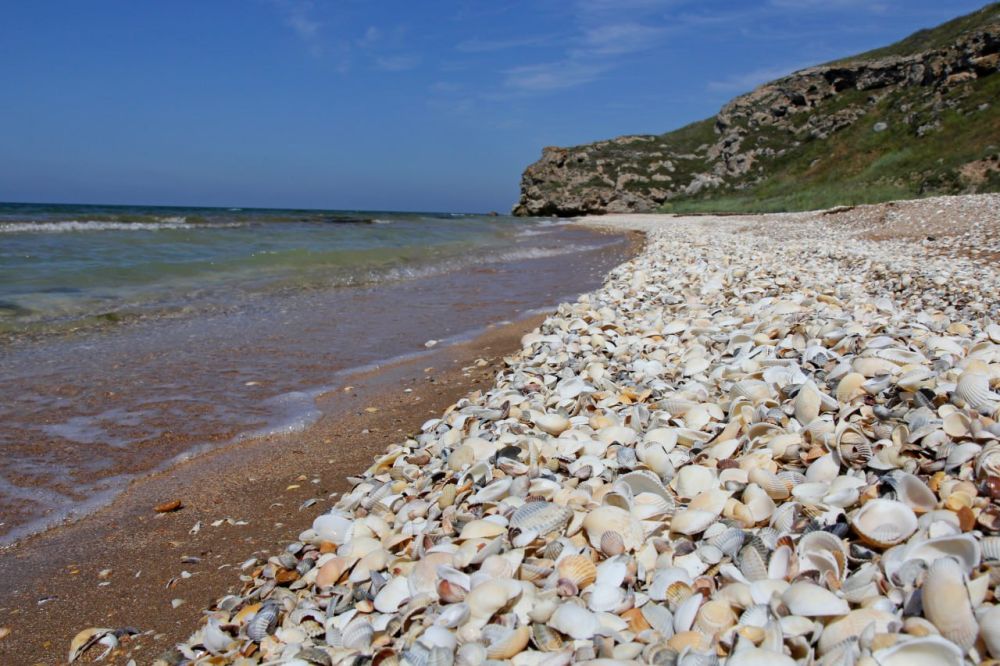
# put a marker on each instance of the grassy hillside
(920, 117)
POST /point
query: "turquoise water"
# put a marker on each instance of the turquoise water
(68, 267)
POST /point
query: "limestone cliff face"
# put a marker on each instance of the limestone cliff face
(779, 126)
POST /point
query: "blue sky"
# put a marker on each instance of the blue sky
(418, 105)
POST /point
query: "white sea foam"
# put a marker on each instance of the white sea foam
(99, 225)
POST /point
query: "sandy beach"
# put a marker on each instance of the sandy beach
(734, 450)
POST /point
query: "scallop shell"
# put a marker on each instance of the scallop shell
(659, 618)
(772, 485)
(946, 602)
(263, 622)
(751, 389)
(358, 634)
(579, 569)
(541, 517)
(973, 389)
(883, 523)
(728, 540)
(612, 543)
(392, 595)
(610, 518)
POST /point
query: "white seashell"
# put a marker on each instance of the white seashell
(610, 518)
(692, 521)
(693, 479)
(553, 424)
(989, 629)
(912, 491)
(809, 600)
(946, 602)
(883, 523)
(333, 527)
(574, 621)
(973, 389)
(853, 624)
(754, 656)
(541, 517)
(487, 598)
(824, 469)
(605, 597)
(686, 613)
(438, 636)
(923, 651)
(807, 403)
(392, 595)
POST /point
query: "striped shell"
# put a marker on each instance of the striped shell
(263, 622)
(946, 603)
(540, 517)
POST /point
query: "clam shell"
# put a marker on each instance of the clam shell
(989, 630)
(807, 403)
(946, 602)
(883, 523)
(692, 521)
(545, 638)
(853, 624)
(912, 491)
(541, 517)
(503, 642)
(553, 424)
(574, 621)
(923, 651)
(714, 617)
(612, 543)
(610, 518)
(358, 634)
(809, 600)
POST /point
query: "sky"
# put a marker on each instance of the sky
(379, 105)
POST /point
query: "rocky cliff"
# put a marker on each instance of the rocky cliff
(918, 117)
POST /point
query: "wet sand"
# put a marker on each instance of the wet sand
(51, 584)
(124, 566)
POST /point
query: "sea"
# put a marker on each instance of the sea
(133, 337)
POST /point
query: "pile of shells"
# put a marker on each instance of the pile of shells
(745, 449)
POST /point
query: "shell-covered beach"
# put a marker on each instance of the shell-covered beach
(765, 440)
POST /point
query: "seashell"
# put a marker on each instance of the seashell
(333, 527)
(659, 618)
(973, 390)
(642, 481)
(605, 597)
(553, 424)
(612, 543)
(693, 479)
(809, 600)
(646, 506)
(924, 651)
(545, 638)
(610, 518)
(752, 563)
(883, 523)
(574, 621)
(470, 654)
(686, 612)
(579, 569)
(714, 617)
(989, 630)
(263, 622)
(759, 503)
(503, 642)
(692, 521)
(750, 389)
(946, 602)
(754, 656)
(772, 485)
(911, 491)
(854, 624)
(487, 598)
(807, 403)
(392, 595)
(481, 529)
(849, 387)
(358, 635)
(541, 517)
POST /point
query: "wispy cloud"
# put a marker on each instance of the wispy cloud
(558, 75)
(397, 63)
(620, 38)
(298, 15)
(490, 45)
(746, 81)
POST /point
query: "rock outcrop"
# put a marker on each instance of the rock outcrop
(779, 130)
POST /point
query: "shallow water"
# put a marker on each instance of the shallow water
(230, 352)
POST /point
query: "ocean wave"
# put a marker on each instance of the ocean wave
(68, 226)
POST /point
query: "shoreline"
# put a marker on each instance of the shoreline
(662, 471)
(57, 579)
